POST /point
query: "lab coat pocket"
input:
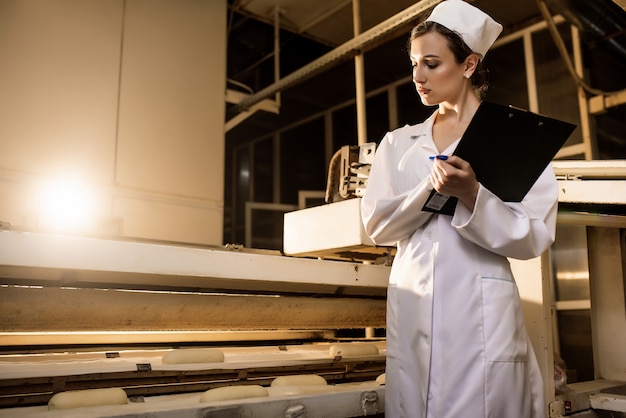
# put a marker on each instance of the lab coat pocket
(504, 332)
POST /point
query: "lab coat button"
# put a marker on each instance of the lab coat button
(430, 396)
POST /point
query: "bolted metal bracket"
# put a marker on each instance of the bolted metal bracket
(295, 411)
(369, 403)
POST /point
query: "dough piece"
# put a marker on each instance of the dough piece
(228, 393)
(381, 379)
(193, 355)
(88, 397)
(300, 390)
(299, 380)
(353, 350)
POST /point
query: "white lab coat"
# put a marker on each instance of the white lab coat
(457, 346)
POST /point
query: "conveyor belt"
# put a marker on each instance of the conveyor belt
(337, 401)
(61, 294)
(33, 379)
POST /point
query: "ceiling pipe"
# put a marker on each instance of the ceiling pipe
(603, 19)
(360, 44)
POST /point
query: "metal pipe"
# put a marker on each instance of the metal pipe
(362, 43)
(277, 52)
(590, 147)
(359, 74)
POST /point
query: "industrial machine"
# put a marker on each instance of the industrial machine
(592, 196)
(334, 231)
(82, 313)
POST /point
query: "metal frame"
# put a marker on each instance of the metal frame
(595, 182)
(72, 260)
(70, 290)
(359, 44)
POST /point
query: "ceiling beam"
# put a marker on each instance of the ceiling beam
(362, 43)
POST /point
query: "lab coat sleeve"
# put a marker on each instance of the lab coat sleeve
(520, 230)
(388, 215)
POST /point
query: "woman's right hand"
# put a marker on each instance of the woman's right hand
(455, 177)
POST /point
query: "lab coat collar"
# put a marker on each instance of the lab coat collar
(422, 133)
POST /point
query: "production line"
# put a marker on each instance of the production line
(185, 381)
(84, 314)
(91, 314)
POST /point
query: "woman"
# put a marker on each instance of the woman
(456, 340)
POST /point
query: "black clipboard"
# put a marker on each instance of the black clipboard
(508, 149)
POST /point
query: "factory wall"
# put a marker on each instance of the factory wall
(111, 117)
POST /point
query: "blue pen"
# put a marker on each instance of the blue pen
(439, 157)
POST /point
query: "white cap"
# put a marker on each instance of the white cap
(477, 29)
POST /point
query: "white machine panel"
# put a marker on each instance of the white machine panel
(332, 231)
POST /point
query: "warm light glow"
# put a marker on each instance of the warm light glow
(66, 205)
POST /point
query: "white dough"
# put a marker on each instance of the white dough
(381, 379)
(228, 393)
(300, 390)
(88, 397)
(193, 355)
(299, 380)
(353, 350)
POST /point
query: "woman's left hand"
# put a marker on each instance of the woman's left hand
(455, 177)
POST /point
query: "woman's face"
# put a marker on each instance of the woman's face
(437, 76)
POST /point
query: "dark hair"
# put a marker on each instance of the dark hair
(459, 49)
